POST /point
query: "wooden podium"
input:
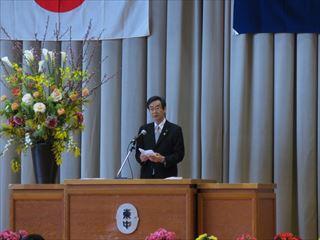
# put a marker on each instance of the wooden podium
(86, 209)
(91, 207)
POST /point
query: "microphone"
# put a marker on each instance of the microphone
(132, 143)
(143, 132)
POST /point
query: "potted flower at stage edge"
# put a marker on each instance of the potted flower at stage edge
(10, 235)
(206, 237)
(44, 107)
(286, 236)
(161, 234)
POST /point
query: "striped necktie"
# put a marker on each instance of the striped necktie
(157, 133)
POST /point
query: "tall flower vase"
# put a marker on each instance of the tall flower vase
(44, 164)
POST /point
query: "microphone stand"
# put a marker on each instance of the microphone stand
(125, 160)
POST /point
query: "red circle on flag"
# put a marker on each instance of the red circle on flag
(59, 5)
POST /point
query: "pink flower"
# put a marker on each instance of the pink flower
(171, 236)
(161, 234)
(286, 236)
(23, 233)
(10, 235)
(51, 122)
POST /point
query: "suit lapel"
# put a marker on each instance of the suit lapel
(151, 131)
(164, 132)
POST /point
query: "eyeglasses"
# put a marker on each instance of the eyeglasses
(155, 109)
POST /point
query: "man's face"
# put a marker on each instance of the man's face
(157, 112)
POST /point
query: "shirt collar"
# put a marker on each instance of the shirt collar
(161, 124)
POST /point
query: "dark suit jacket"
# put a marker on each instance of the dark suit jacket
(170, 145)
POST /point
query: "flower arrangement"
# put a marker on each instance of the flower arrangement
(286, 236)
(161, 234)
(206, 237)
(46, 102)
(10, 235)
(246, 236)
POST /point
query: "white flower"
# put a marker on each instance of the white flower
(6, 147)
(56, 95)
(27, 140)
(45, 54)
(48, 55)
(28, 54)
(27, 99)
(41, 63)
(7, 61)
(63, 57)
(39, 107)
(51, 55)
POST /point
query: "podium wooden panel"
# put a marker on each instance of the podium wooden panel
(86, 209)
(92, 204)
(227, 210)
(38, 209)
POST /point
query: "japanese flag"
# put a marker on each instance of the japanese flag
(108, 19)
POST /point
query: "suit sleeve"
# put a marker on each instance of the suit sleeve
(178, 149)
(140, 144)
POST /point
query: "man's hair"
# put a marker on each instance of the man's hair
(33, 237)
(155, 98)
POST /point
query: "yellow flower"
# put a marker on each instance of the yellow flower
(85, 92)
(213, 238)
(60, 135)
(206, 237)
(73, 96)
(3, 98)
(202, 236)
(15, 165)
(36, 94)
(14, 106)
(77, 152)
(30, 123)
(61, 111)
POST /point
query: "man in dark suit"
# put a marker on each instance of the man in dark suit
(164, 138)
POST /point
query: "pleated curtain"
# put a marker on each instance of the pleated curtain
(248, 104)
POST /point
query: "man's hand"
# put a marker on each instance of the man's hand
(157, 158)
(144, 158)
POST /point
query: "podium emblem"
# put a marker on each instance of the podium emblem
(127, 218)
